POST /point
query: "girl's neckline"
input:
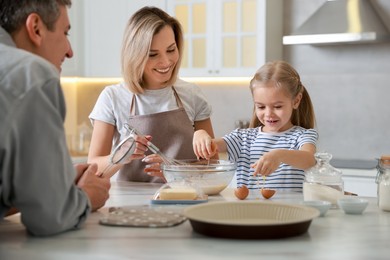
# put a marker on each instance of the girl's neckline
(276, 133)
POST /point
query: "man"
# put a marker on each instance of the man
(37, 176)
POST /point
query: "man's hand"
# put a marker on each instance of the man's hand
(97, 188)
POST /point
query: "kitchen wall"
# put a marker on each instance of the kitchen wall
(349, 86)
(231, 101)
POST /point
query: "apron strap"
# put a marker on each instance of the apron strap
(178, 100)
(133, 100)
(132, 113)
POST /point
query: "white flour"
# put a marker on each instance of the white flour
(314, 191)
(384, 196)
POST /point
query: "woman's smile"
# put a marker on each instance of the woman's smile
(164, 70)
(162, 60)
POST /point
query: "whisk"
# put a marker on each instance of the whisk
(126, 148)
(154, 149)
(167, 160)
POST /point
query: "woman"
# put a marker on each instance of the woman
(151, 99)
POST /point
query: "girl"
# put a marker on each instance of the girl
(152, 99)
(281, 141)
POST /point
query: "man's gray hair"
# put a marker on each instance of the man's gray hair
(13, 13)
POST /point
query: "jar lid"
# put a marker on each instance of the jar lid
(323, 172)
(385, 159)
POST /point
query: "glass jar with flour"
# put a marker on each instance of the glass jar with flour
(383, 180)
(323, 181)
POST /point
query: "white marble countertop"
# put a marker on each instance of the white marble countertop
(335, 236)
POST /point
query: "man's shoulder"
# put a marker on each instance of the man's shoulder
(23, 70)
(30, 62)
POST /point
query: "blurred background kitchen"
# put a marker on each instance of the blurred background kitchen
(226, 41)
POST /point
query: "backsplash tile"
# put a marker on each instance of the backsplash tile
(231, 101)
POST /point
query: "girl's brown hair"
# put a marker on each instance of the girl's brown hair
(285, 76)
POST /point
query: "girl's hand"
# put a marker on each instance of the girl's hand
(267, 164)
(204, 146)
(153, 167)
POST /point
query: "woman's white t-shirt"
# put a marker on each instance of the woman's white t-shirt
(113, 104)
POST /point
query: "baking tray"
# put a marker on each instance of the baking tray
(250, 219)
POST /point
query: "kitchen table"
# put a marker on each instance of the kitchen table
(335, 236)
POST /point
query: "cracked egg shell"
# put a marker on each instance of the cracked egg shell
(242, 192)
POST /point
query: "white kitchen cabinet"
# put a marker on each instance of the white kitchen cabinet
(96, 35)
(228, 37)
(222, 37)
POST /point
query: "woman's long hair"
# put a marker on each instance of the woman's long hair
(138, 36)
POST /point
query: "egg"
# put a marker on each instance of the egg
(267, 193)
(242, 192)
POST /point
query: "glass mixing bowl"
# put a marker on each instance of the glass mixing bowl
(212, 176)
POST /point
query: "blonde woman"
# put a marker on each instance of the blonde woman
(151, 99)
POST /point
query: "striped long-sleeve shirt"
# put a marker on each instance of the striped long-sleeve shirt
(246, 146)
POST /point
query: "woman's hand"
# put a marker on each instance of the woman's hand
(141, 146)
(204, 146)
(153, 167)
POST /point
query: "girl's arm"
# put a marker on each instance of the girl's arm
(301, 159)
(205, 146)
(206, 126)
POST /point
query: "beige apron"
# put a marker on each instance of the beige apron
(171, 131)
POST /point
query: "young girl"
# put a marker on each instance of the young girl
(281, 141)
(152, 99)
